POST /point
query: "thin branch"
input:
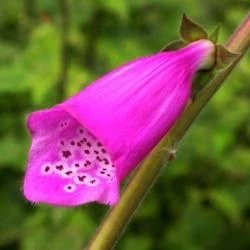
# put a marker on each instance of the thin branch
(92, 38)
(65, 53)
(29, 18)
(117, 219)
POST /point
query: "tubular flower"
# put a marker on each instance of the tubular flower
(84, 147)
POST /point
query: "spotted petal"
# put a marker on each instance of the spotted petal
(68, 166)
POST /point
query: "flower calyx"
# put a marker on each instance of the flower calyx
(190, 31)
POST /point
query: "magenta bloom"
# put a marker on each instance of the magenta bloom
(84, 147)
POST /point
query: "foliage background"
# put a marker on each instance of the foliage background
(51, 49)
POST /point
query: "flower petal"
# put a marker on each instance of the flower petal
(67, 165)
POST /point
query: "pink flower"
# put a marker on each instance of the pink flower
(84, 147)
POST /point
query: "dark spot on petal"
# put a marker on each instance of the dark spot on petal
(62, 142)
(103, 150)
(96, 152)
(99, 144)
(102, 172)
(47, 168)
(92, 181)
(88, 144)
(98, 158)
(69, 187)
(69, 172)
(88, 162)
(72, 143)
(86, 151)
(77, 165)
(108, 175)
(66, 153)
(59, 167)
(81, 178)
(81, 131)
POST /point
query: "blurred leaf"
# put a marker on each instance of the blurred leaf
(139, 242)
(225, 202)
(12, 211)
(14, 82)
(11, 151)
(41, 61)
(120, 8)
(68, 231)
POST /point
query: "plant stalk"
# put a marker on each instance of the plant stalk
(65, 51)
(119, 216)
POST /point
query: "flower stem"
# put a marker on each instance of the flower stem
(119, 216)
(65, 52)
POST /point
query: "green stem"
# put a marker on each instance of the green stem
(64, 53)
(118, 217)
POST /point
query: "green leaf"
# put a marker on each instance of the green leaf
(225, 201)
(57, 228)
(119, 8)
(11, 152)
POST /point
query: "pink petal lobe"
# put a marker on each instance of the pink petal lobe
(67, 165)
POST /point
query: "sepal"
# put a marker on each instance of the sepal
(191, 31)
(174, 45)
(215, 35)
(200, 82)
(224, 57)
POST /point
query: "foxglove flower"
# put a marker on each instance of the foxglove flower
(84, 147)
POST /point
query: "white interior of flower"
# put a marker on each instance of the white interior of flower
(82, 159)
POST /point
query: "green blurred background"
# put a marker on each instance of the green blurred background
(49, 50)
